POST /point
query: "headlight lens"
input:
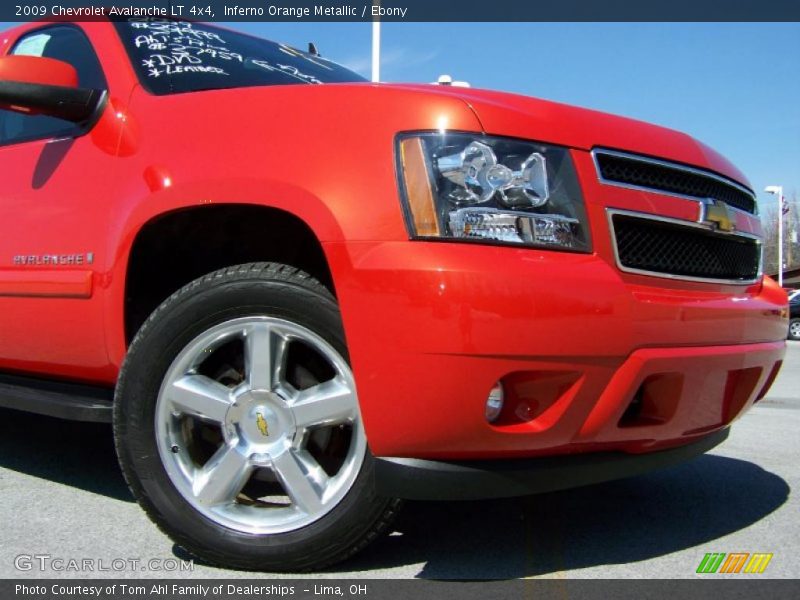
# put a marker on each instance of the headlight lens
(469, 187)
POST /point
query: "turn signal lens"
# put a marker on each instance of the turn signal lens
(418, 187)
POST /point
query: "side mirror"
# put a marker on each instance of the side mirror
(35, 85)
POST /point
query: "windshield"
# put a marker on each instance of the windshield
(176, 56)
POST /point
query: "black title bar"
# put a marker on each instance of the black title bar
(383, 589)
(407, 10)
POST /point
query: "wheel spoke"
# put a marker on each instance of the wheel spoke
(201, 397)
(222, 477)
(324, 404)
(302, 478)
(265, 352)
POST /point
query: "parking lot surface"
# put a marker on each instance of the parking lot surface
(62, 495)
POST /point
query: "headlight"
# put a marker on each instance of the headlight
(469, 187)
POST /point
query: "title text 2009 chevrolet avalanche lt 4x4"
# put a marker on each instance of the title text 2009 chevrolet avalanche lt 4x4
(301, 303)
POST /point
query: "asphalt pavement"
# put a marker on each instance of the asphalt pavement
(62, 496)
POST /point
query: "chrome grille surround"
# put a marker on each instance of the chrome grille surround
(702, 230)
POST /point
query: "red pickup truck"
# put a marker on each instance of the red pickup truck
(301, 303)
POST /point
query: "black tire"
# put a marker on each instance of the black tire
(794, 329)
(249, 290)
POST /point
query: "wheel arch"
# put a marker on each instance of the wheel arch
(164, 250)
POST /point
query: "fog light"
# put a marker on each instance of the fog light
(494, 403)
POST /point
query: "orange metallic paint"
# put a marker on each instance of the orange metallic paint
(431, 326)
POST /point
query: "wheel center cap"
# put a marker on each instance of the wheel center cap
(261, 420)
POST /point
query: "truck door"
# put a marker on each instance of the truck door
(54, 189)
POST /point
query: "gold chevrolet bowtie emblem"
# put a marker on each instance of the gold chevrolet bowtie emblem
(262, 424)
(720, 215)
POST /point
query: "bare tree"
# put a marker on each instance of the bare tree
(791, 235)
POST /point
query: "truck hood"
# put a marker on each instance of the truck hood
(514, 115)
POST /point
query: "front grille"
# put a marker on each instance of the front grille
(673, 179)
(663, 247)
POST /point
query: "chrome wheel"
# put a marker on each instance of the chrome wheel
(258, 427)
(794, 330)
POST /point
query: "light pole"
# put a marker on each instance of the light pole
(376, 46)
(778, 191)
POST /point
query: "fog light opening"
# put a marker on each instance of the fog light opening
(494, 403)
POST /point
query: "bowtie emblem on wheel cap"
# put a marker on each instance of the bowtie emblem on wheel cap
(262, 424)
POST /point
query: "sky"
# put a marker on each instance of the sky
(735, 86)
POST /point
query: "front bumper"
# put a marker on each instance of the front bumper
(415, 479)
(595, 360)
